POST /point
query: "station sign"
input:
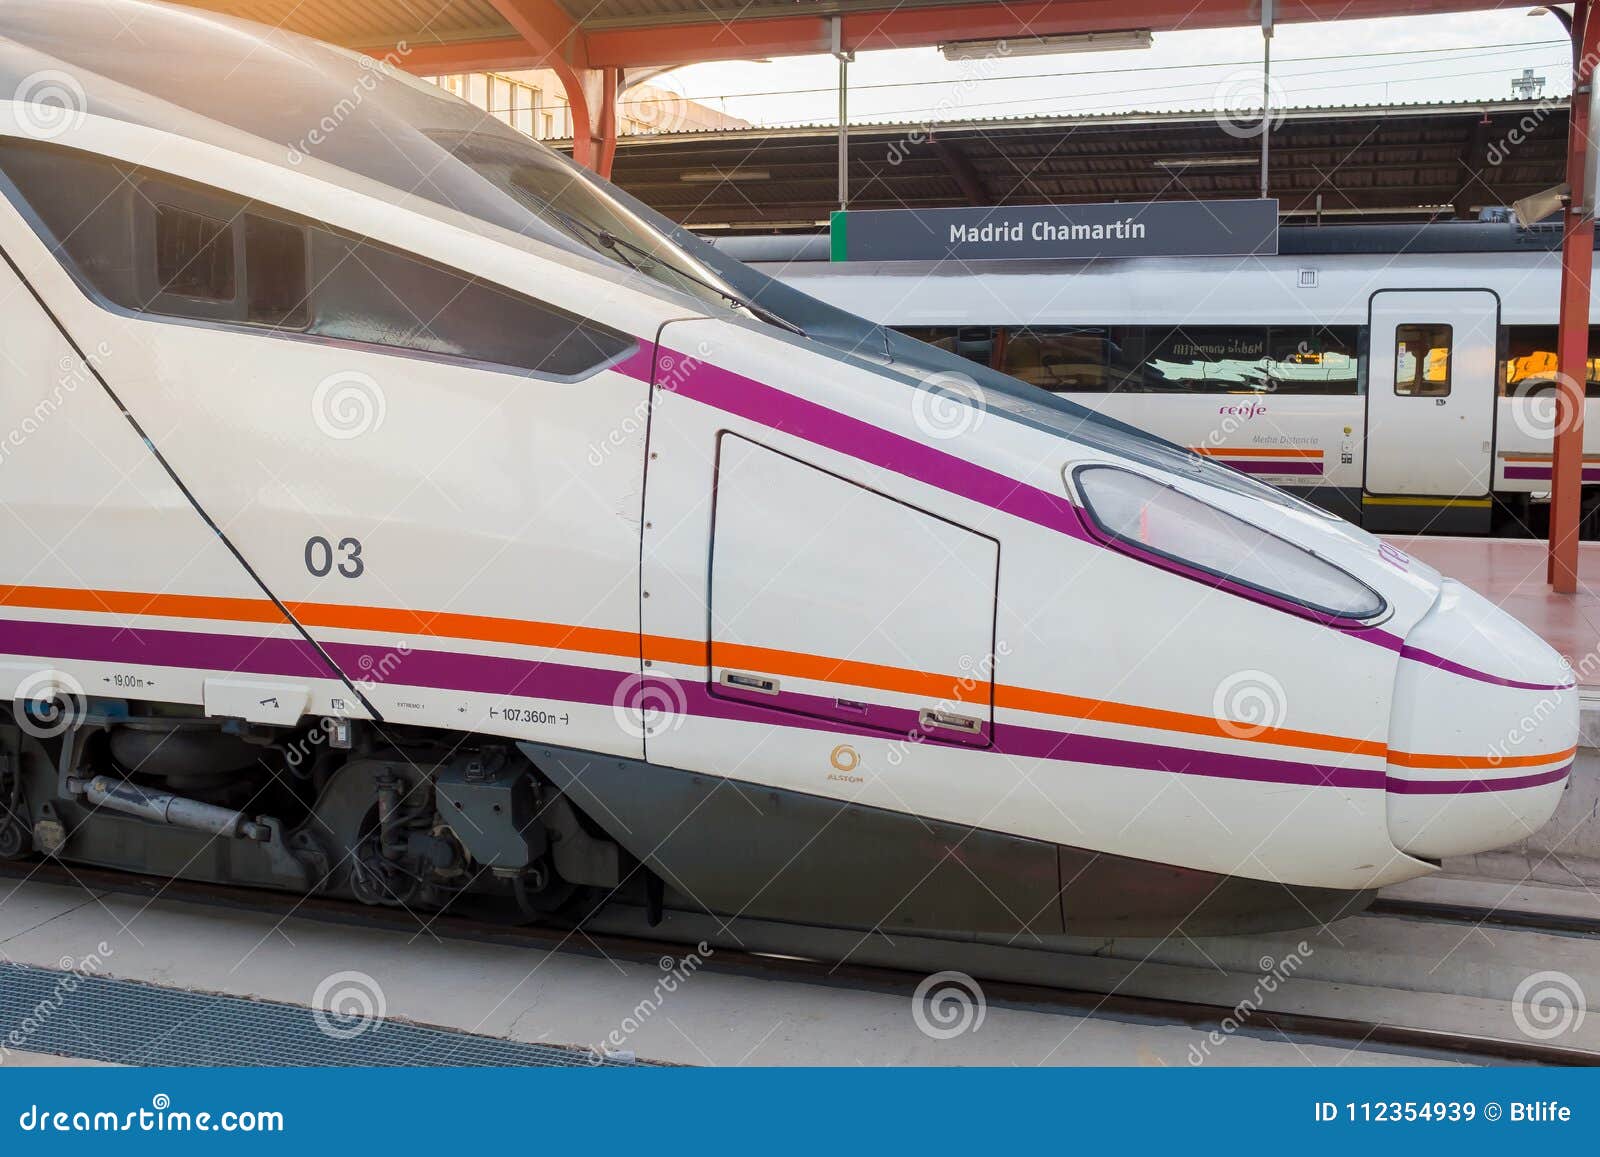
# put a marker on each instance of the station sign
(1235, 228)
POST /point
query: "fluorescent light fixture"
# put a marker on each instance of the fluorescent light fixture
(1047, 45)
(716, 176)
(1206, 162)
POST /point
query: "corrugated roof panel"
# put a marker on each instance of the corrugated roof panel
(371, 22)
(1370, 159)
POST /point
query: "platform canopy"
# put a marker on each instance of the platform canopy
(497, 35)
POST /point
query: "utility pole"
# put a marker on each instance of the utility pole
(836, 35)
(1266, 89)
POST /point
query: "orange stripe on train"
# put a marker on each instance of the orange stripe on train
(689, 652)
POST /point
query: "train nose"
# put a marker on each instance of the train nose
(1483, 733)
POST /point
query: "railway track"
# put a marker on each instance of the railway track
(1508, 918)
(617, 943)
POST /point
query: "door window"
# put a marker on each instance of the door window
(1422, 361)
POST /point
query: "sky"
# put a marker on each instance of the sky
(1471, 56)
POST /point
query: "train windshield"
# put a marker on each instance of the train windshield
(297, 102)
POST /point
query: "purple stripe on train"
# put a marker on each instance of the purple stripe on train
(1018, 741)
(371, 665)
(1418, 655)
(1476, 786)
(565, 682)
(822, 426)
(162, 648)
(1542, 473)
(1257, 466)
(748, 398)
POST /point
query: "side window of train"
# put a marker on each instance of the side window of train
(1289, 359)
(1528, 361)
(973, 342)
(1058, 358)
(156, 245)
(1422, 360)
(194, 254)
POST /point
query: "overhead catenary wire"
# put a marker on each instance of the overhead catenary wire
(917, 113)
(1453, 52)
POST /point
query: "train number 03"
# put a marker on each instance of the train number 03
(322, 555)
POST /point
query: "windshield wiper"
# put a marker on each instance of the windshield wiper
(614, 242)
(609, 241)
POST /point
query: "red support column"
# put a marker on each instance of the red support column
(592, 95)
(610, 82)
(1572, 344)
(579, 111)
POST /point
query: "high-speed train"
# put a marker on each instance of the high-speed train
(393, 511)
(1402, 376)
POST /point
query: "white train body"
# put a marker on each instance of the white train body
(296, 591)
(1333, 427)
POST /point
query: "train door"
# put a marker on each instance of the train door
(1431, 394)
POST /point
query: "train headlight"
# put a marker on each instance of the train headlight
(1153, 519)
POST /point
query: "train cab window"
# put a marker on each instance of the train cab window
(193, 254)
(275, 255)
(1422, 361)
(163, 247)
(380, 296)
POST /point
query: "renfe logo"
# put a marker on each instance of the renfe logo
(1243, 410)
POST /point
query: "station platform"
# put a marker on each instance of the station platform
(186, 984)
(1510, 572)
